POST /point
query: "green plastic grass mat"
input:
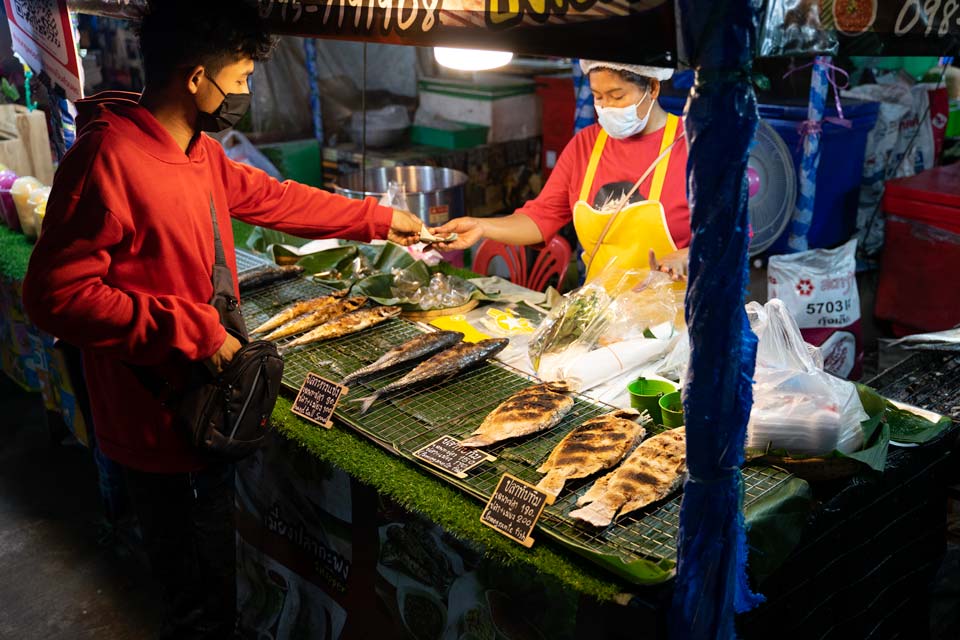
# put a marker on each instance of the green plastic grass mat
(445, 505)
(640, 547)
(15, 252)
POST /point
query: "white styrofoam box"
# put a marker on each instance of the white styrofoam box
(508, 106)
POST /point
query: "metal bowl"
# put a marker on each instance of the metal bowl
(435, 194)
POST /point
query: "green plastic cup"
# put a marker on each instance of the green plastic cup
(645, 395)
(671, 408)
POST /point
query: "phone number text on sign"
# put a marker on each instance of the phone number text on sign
(939, 16)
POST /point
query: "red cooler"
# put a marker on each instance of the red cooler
(558, 106)
(918, 288)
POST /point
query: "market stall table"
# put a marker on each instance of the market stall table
(775, 515)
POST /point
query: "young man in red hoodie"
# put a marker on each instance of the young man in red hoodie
(122, 270)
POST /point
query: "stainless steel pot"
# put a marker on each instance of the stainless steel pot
(435, 194)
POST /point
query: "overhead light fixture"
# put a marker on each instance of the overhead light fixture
(471, 59)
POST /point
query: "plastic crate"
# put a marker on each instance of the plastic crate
(297, 160)
(460, 135)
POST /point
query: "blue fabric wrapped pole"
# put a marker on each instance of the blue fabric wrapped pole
(721, 120)
(585, 115)
(811, 130)
(310, 57)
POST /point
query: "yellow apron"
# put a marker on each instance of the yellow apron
(641, 226)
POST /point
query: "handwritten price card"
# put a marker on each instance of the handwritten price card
(514, 509)
(317, 399)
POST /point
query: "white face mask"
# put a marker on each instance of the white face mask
(623, 122)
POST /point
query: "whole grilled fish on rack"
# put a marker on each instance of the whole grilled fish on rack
(444, 365)
(346, 325)
(416, 349)
(595, 445)
(529, 410)
(312, 319)
(653, 471)
(267, 274)
(298, 309)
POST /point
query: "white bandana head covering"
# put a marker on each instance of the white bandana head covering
(660, 73)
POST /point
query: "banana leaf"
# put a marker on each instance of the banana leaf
(908, 427)
(262, 240)
(379, 287)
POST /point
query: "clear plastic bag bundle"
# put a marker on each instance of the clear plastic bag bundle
(599, 332)
(797, 406)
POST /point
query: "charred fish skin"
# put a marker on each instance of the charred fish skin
(595, 445)
(315, 318)
(293, 311)
(459, 357)
(530, 410)
(418, 348)
(346, 325)
(654, 470)
(262, 276)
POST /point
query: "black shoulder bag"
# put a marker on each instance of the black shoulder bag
(226, 414)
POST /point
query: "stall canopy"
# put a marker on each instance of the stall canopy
(643, 31)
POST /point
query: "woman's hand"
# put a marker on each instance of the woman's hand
(404, 228)
(469, 231)
(673, 264)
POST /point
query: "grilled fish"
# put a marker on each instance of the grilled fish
(265, 275)
(314, 318)
(529, 410)
(298, 309)
(445, 364)
(597, 444)
(347, 324)
(654, 470)
(416, 349)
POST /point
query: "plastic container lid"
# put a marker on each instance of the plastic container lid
(940, 185)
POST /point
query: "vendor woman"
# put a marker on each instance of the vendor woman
(635, 138)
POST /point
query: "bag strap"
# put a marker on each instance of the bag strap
(219, 258)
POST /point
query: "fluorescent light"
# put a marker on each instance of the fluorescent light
(471, 59)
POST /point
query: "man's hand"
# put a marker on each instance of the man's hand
(404, 228)
(469, 231)
(224, 354)
(673, 264)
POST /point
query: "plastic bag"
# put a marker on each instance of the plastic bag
(395, 196)
(442, 292)
(899, 145)
(239, 149)
(599, 332)
(819, 288)
(797, 406)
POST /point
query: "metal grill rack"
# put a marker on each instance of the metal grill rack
(247, 261)
(412, 418)
(928, 379)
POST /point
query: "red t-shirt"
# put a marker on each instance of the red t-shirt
(622, 163)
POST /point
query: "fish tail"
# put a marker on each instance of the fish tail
(552, 483)
(366, 402)
(599, 514)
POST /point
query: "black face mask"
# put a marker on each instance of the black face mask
(228, 114)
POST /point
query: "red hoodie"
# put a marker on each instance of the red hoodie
(122, 269)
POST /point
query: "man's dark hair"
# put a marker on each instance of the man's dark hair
(181, 34)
